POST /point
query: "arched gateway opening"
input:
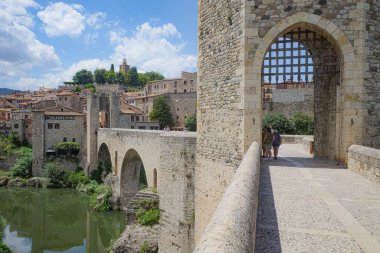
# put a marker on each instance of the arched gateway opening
(301, 79)
(133, 176)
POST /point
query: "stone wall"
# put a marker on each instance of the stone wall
(371, 38)
(233, 225)
(182, 105)
(176, 191)
(365, 161)
(219, 108)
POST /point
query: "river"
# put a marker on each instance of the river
(56, 220)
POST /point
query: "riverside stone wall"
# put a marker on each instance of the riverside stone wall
(365, 161)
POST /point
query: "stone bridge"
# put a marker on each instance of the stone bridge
(128, 152)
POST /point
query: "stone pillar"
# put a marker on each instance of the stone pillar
(176, 190)
(38, 142)
(114, 110)
(92, 131)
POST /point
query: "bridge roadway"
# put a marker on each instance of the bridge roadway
(311, 205)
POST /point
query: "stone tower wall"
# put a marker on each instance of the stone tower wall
(219, 108)
(38, 140)
(92, 130)
(372, 77)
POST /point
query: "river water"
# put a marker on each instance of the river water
(56, 220)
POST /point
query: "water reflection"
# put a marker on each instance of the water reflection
(47, 221)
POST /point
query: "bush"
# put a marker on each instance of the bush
(144, 248)
(148, 203)
(191, 123)
(148, 217)
(303, 124)
(23, 166)
(101, 172)
(58, 176)
(67, 148)
(103, 199)
(90, 187)
(78, 177)
(3, 223)
(279, 122)
(4, 248)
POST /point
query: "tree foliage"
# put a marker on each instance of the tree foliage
(67, 148)
(303, 124)
(133, 77)
(191, 123)
(100, 76)
(153, 76)
(23, 166)
(161, 112)
(279, 122)
(110, 77)
(83, 76)
(121, 78)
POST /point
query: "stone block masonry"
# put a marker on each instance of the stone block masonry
(176, 181)
(365, 161)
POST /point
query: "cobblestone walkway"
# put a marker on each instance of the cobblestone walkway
(310, 205)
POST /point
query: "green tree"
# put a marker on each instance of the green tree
(133, 77)
(100, 76)
(153, 76)
(303, 123)
(143, 79)
(161, 112)
(112, 68)
(121, 78)
(110, 77)
(191, 122)
(83, 76)
(279, 122)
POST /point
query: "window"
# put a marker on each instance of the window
(132, 127)
(64, 139)
(56, 125)
(175, 84)
(50, 126)
(26, 116)
(184, 90)
(60, 99)
(65, 98)
(191, 82)
(177, 117)
(26, 126)
(184, 82)
(16, 126)
(137, 118)
(142, 127)
(177, 109)
(132, 118)
(73, 139)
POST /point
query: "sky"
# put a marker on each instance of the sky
(43, 43)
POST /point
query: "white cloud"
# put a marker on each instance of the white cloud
(153, 49)
(96, 20)
(62, 19)
(20, 50)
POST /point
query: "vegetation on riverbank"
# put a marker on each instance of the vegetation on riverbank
(3, 248)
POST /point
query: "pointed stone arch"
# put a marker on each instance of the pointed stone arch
(350, 78)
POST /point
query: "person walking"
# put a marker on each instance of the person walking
(268, 142)
(276, 143)
(263, 136)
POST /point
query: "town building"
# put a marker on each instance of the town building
(187, 83)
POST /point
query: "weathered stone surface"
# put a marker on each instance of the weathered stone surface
(4, 180)
(38, 182)
(18, 182)
(134, 236)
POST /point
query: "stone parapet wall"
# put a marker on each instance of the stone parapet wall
(294, 139)
(233, 225)
(365, 161)
(308, 144)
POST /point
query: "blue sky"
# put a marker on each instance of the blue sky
(43, 43)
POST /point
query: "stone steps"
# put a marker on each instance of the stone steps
(132, 205)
